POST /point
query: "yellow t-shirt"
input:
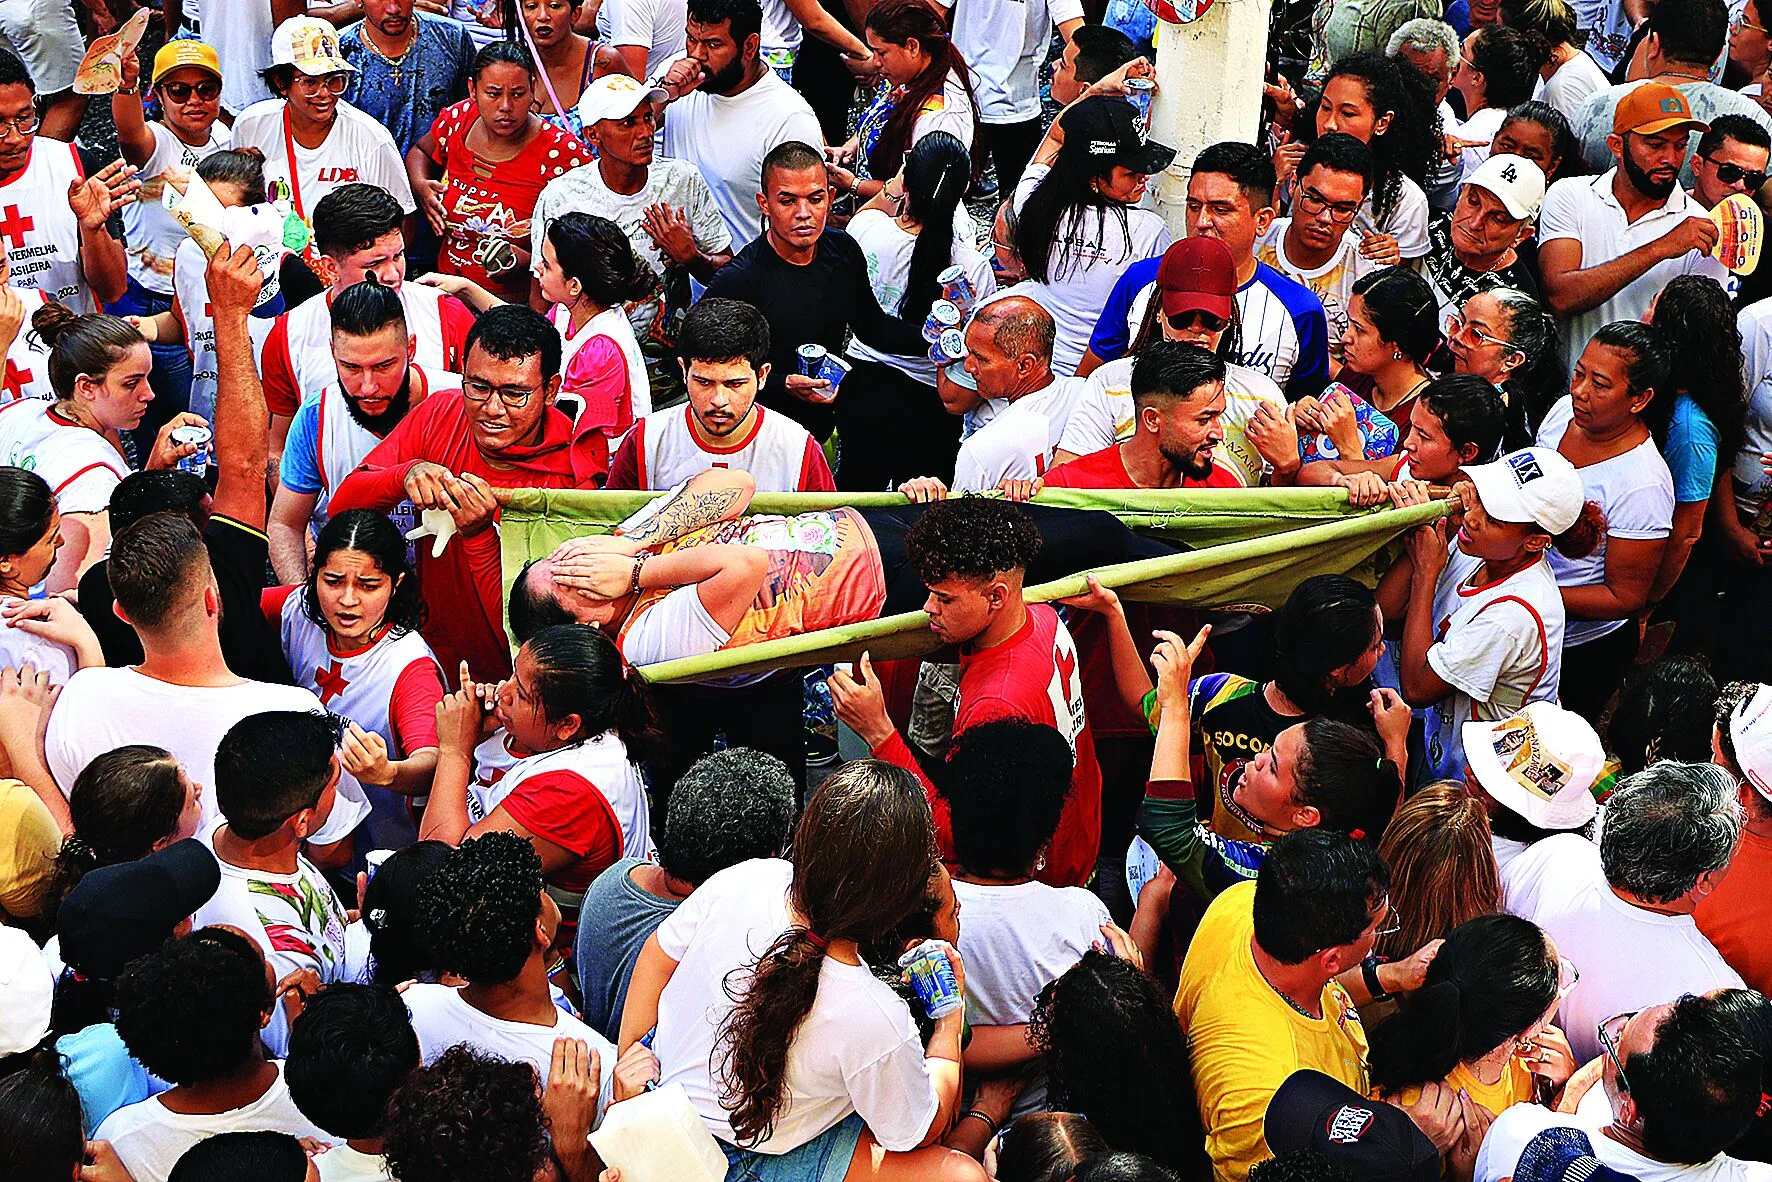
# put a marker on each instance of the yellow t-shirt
(29, 840)
(1514, 1087)
(1246, 1039)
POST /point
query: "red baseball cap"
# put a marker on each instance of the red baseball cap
(1197, 275)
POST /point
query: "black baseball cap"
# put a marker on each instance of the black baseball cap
(1376, 1141)
(1107, 128)
(117, 913)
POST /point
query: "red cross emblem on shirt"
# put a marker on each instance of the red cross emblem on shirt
(17, 378)
(331, 681)
(15, 227)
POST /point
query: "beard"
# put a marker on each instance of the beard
(1195, 464)
(1644, 184)
(731, 75)
(379, 425)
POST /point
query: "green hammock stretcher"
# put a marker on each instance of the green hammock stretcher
(1248, 548)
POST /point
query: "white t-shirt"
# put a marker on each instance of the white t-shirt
(1104, 415)
(1333, 282)
(1507, 1138)
(950, 111)
(240, 32)
(151, 234)
(887, 246)
(776, 451)
(1481, 126)
(27, 362)
(1096, 250)
(725, 137)
(19, 648)
(102, 709)
(1637, 492)
(1499, 646)
(1018, 443)
(677, 625)
(80, 466)
(1016, 939)
(341, 1163)
(1629, 958)
(357, 148)
(296, 919)
(441, 1019)
(1265, 320)
(150, 1138)
(1004, 43)
(657, 24)
(675, 183)
(1407, 223)
(1584, 208)
(190, 284)
(857, 1049)
(1567, 89)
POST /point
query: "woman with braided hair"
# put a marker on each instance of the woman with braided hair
(801, 1061)
(125, 804)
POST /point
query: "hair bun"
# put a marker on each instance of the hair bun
(52, 320)
(257, 154)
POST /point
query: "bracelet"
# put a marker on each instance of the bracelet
(639, 562)
(993, 1126)
(137, 89)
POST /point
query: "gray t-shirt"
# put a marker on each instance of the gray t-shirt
(613, 923)
(1593, 123)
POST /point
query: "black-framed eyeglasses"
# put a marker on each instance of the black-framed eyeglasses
(24, 126)
(514, 397)
(208, 90)
(1609, 1032)
(1730, 174)
(1313, 204)
(1183, 321)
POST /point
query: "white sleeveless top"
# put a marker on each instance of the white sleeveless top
(358, 685)
(79, 464)
(614, 324)
(344, 443)
(27, 361)
(41, 233)
(603, 762)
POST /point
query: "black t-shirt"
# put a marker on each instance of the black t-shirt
(251, 646)
(820, 303)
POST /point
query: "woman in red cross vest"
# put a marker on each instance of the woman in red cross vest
(351, 636)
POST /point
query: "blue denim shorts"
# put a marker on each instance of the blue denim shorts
(825, 1158)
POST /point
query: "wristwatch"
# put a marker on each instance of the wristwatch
(1369, 974)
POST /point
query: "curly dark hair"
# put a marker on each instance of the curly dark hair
(191, 1011)
(972, 538)
(1005, 783)
(1115, 1053)
(478, 908)
(1409, 146)
(468, 1115)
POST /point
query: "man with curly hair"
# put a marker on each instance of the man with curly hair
(491, 1108)
(1017, 660)
(490, 921)
(190, 1013)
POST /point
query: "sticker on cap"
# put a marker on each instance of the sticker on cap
(1524, 759)
(1103, 147)
(1349, 1124)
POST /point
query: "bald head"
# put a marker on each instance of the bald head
(1018, 326)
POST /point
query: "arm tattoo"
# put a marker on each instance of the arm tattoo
(686, 513)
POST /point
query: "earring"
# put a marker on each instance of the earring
(1396, 355)
(1040, 863)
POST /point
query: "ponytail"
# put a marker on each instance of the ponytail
(1343, 773)
(936, 173)
(1582, 538)
(864, 853)
(580, 671)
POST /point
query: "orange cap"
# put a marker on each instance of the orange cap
(1652, 108)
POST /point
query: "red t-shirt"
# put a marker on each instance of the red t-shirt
(563, 807)
(1106, 469)
(1032, 675)
(483, 198)
(464, 589)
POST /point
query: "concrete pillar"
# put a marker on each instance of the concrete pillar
(1209, 75)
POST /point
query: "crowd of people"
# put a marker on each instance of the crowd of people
(1461, 868)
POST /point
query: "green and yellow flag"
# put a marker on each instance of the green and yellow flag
(1247, 548)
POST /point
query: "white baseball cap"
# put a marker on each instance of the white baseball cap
(26, 991)
(309, 45)
(1542, 764)
(1516, 180)
(1750, 729)
(615, 96)
(1535, 484)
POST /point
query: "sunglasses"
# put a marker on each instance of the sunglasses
(1186, 320)
(1730, 174)
(180, 92)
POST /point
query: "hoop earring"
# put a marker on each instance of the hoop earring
(1396, 355)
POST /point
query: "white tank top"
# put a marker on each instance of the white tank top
(27, 361)
(344, 443)
(310, 337)
(79, 464)
(603, 761)
(189, 283)
(773, 450)
(358, 685)
(41, 233)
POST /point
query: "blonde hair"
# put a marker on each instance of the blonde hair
(1442, 866)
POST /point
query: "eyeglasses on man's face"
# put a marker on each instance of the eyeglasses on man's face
(514, 397)
(1313, 204)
